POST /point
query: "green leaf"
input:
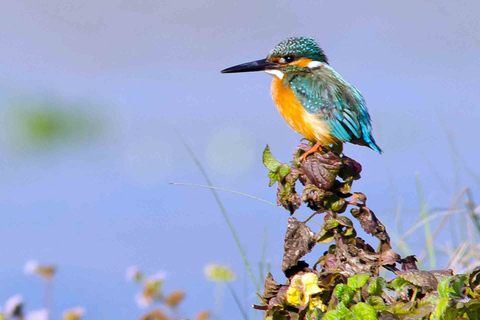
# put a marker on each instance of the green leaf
(331, 315)
(284, 170)
(330, 224)
(339, 206)
(342, 310)
(344, 293)
(273, 178)
(399, 282)
(269, 161)
(325, 236)
(376, 287)
(357, 281)
(459, 284)
(441, 308)
(344, 221)
(349, 232)
(472, 313)
(363, 311)
(443, 287)
(376, 302)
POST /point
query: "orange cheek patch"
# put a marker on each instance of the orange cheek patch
(301, 63)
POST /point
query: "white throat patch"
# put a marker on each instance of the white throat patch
(276, 73)
(315, 64)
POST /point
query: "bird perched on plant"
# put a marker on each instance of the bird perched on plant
(312, 97)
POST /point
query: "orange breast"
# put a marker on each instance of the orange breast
(306, 124)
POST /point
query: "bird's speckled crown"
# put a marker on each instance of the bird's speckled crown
(299, 47)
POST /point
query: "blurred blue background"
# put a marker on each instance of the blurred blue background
(92, 95)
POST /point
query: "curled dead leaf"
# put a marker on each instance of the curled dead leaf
(299, 240)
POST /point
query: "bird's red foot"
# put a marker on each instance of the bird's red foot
(313, 149)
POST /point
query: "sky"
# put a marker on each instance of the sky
(148, 74)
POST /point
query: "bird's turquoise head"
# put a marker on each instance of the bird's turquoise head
(295, 51)
(296, 48)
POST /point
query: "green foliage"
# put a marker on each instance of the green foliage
(376, 286)
(357, 281)
(278, 170)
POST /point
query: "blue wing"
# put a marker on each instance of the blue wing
(323, 92)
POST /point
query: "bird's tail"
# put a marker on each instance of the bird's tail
(372, 144)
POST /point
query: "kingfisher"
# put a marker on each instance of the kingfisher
(312, 97)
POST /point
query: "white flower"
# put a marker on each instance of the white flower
(31, 267)
(41, 314)
(76, 312)
(143, 301)
(12, 305)
(157, 277)
(133, 273)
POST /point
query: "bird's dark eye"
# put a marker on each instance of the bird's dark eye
(289, 58)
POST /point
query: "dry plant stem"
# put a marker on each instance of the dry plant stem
(428, 246)
(421, 223)
(455, 257)
(310, 217)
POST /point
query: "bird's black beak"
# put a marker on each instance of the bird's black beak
(259, 65)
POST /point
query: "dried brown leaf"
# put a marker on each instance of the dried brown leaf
(288, 198)
(350, 168)
(441, 274)
(299, 240)
(359, 198)
(156, 314)
(389, 257)
(322, 169)
(174, 298)
(423, 279)
(373, 226)
(203, 315)
(270, 288)
(409, 263)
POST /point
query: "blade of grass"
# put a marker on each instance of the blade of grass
(455, 256)
(222, 189)
(471, 210)
(424, 217)
(224, 213)
(441, 224)
(237, 301)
